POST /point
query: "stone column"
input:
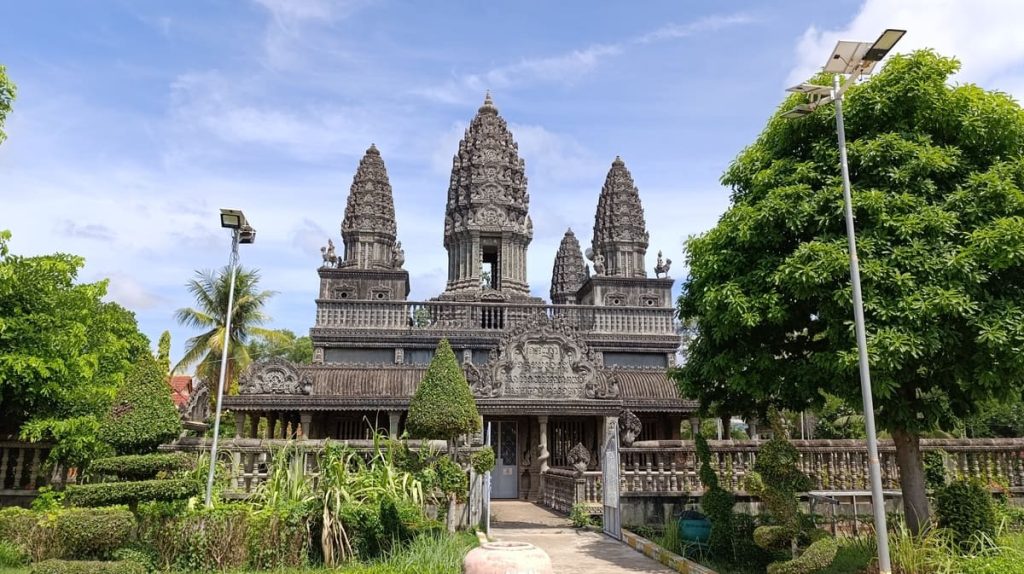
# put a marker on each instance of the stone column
(752, 428)
(544, 455)
(271, 425)
(695, 427)
(306, 420)
(394, 417)
(239, 423)
(254, 425)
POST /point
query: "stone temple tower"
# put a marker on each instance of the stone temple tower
(487, 227)
(569, 271)
(620, 233)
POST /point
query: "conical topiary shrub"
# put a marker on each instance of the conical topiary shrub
(143, 415)
(443, 406)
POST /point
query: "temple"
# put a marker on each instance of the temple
(554, 381)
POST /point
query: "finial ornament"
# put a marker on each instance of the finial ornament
(662, 267)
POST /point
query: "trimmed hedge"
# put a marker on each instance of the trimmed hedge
(143, 415)
(29, 530)
(141, 466)
(92, 532)
(818, 556)
(966, 508)
(131, 493)
(443, 406)
(87, 567)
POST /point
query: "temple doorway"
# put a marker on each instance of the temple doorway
(505, 481)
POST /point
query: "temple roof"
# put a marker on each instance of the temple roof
(569, 271)
(487, 190)
(371, 206)
(619, 225)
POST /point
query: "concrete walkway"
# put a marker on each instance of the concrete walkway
(572, 551)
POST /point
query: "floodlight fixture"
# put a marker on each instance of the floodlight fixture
(232, 219)
(810, 89)
(848, 58)
(799, 111)
(883, 44)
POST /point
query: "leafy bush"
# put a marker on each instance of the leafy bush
(141, 466)
(131, 493)
(934, 469)
(482, 460)
(280, 537)
(580, 516)
(143, 415)
(92, 532)
(141, 557)
(13, 555)
(717, 504)
(966, 508)
(443, 406)
(48, 500)
(87, 567)
(816, 557)
(451, 479)
(212, 538)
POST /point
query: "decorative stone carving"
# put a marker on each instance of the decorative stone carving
(569, 271)
(330, 257)
(629, 427)
(275, 376)
(620, 233)
(662, 267)
(579, 458)
(399, 356)
(542, 358)
(318, 355)
(197, 408)
(368, 227)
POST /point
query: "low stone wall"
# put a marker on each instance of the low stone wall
(655, 552)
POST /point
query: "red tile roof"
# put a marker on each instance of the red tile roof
(181, 388)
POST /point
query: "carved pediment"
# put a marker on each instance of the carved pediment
(542, 358)
(275, 377)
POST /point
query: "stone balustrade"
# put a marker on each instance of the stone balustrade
(22, 468)
(564, 488)
(460, 316)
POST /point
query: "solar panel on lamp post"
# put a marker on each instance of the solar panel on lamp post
(849, 61)
(241, 233)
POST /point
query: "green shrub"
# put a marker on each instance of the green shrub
(17, 525)
(159, 524)
(443, 406)
(92, 532)
(280, 538)
(87, 567)
(816, 557)
(143, 415)
(212, 538)
(451, 479)
(717, 504)
(482, 460)
(141, 466)
(966, 508)
(579, 516)
(131, 493)
(49, 500)
(13, 555)
(141, 557)
(934, 469)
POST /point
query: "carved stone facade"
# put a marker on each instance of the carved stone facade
(275, 377)
(620, 233)
(569, 271)
(487, 223)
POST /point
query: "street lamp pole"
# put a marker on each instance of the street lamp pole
(241, 232)
(851, 60)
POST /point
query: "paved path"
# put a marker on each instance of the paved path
(572, 551)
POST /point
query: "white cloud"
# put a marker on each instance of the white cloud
(984, 34)
(129, 292)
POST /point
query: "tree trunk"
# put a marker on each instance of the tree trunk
(912, 481)
(726, 422)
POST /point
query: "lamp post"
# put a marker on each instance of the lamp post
(241, 232)
(849, 61)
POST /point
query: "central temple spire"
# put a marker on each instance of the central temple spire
(487, 225)
(620, 233)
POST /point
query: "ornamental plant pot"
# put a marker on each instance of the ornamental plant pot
(580, 467)
(694, 527)
(507, 558)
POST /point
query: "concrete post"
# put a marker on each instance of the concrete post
(239, 423)
(394, 417)
(305, 420)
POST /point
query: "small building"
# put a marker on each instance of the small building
(546, 375)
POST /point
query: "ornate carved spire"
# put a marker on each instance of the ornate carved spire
(569, 271)
(620, 234)
(368, 228)
(487, 225)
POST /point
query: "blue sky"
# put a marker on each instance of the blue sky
(136, 121)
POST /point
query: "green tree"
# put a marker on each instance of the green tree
(281, 343)
(143, 415)
(7, 92)
(938, 175)
(211, 292)
(163, 353)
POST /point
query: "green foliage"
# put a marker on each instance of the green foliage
(7, 92)
(579, 517)
(211, 291)
(48, 500)
(443, 406)
(717, 504)
(92, 532)
(212, 538)
(280, 537)
(87, 567)
(938, 196)
(137, 556)
(482, 460)
(142, 466)
(12, 555)
(281, 343)
(143, 415)
(816, 557)
(76, 440)
(26, 530)
(1000, 419)
(163, 354)
(934, 469)
(966, 508)
(837, 420)
(451, 479)
(131, 493)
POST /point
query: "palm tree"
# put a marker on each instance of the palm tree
(210, 289)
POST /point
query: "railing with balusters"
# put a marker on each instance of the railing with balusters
(460, 316)
(22, 467)
(564, 488)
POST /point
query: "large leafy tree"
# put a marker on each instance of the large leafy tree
(64, 352)
(283, 344)
(210, 289)
(938, 180)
